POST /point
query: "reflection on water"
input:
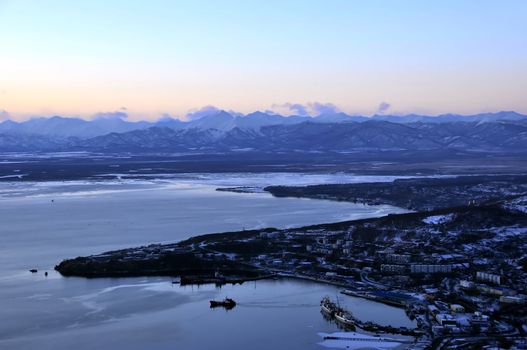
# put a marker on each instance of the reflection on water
(138, 313)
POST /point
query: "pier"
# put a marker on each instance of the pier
(368, 339)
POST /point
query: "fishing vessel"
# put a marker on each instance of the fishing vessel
(333, 311)
(227, 303)
(327, 306)
(344, 318)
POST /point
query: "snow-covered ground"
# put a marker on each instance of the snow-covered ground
(438, 219)
(129, 182)
(519, 204)
(265, 179)
(353, 340)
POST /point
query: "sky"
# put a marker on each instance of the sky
(148, 58)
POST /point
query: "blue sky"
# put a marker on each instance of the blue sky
(153, 57)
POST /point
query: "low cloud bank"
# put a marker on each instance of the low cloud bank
(111, 115)
(195, 114)
(307, 109)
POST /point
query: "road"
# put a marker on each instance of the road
(364, 278)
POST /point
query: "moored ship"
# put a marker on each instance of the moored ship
(327, 306)
(344, 318)
(341, 316)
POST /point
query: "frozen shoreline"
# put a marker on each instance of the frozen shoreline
(117, 182)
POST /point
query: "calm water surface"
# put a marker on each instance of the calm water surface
(43, 223)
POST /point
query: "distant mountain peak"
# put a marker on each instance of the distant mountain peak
(211, 118)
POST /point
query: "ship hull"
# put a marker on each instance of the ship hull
(327, 311)
(344, 321)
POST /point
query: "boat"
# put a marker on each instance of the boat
(327, 306)
(227, 303)
(344, 318)
(332, 310)
(33, 270)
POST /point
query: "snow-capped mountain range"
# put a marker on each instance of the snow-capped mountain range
(221, 130)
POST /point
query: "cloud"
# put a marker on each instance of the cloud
(297, 108)
(383, 107)
(111, 115)
(323, 108)
(195, 114)
(284, 108)
(309, 109)
(4, 115)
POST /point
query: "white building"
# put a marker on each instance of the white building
(430, 269)
(457, 308)
(489, 277)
